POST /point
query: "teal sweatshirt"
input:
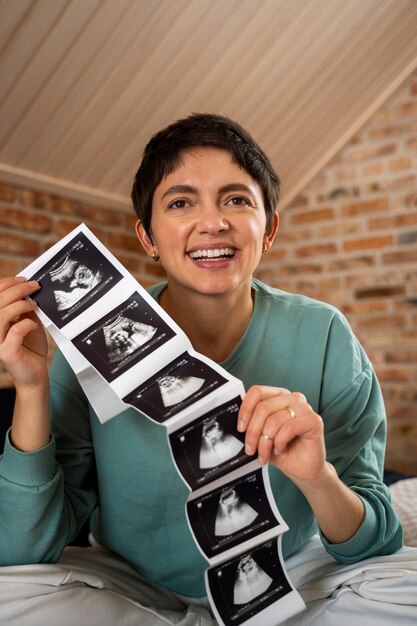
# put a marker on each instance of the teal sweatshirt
(124, 471)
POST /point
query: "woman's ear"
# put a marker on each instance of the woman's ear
(146, 241)
(269, 237)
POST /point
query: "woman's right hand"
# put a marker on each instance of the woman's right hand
(23, 342)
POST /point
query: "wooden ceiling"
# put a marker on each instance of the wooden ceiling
(85, 83)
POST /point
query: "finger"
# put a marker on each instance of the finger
(308, 425)
(255, 395)
(267, 417)
(10, 281)
(16, 290)
(272, 426)
(12, 312)
(12, 345)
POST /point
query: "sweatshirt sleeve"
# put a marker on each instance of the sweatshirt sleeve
(47, 495)
(355, 433)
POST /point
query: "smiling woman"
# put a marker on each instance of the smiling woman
(209, 228)
(205, 196)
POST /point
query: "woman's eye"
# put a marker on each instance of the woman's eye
(238, 201)
(178, 204)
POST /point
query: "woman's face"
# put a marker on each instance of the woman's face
(208, 224)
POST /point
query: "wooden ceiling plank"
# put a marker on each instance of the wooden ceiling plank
(203, 70)
(28, 109)
(67, 86)
(110, 92)
(156, 79)
(28, 39)
(11, 15)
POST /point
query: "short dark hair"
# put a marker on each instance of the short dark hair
(162, 155)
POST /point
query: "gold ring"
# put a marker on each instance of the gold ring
(267, 437)
(291, 412)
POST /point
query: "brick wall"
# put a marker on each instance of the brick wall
(350, 238)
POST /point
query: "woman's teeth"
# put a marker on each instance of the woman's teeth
(217, 253)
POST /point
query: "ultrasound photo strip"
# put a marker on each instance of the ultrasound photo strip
(230, 509)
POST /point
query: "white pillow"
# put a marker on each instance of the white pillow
(404, 500)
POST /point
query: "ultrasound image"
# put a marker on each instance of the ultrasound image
(229, 514)
(123, 337)
(182, 382)
(73, 279)
(245, 585)
(210, 446)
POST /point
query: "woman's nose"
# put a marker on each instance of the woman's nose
(211, 220)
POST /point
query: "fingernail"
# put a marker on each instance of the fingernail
(275, 451)
(248, 449)
(33, 283)
(20, 279)
(241, 425)
(261, 460)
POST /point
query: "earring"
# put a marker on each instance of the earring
(265, 247)
(155, 255)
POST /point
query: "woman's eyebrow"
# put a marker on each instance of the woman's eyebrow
(179, 189)
(235, 187)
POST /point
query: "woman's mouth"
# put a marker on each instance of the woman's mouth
(216, 254)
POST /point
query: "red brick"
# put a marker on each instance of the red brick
(85, 212)
(368, 243)
(411, 144)
(289, 235)
(380, 292)
(131, 263)
(408, 108)
(402, 163)
(372, 169)
(407, 256)
(15, 244)
(299, 201)
(123, 241)
(383, 321)
(366, 279)
(365, 307)
(359, 262)
(403, 393)
(340, 228)
(7, 193)
(37, 200)
(298, 268)
(346, 173)
(395, 221)
(364, 207)
(316, 250)
(313, 215)
(9, 267)
(25, 220)
(275, 254)
(391, 130)
(339, 193)
(402, 356)
(395, 374)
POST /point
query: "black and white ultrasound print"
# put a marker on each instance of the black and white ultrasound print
(231, 514)
(123, 337)
(248, 583)
(73, 280)
(210, 446)
(183, 382)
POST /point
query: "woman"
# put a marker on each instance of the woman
(205, 195)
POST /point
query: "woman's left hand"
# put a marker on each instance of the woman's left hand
(284, 430)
